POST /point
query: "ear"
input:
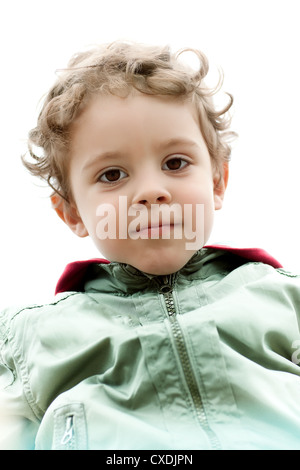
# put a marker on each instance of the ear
(220, 185)
(69, 214)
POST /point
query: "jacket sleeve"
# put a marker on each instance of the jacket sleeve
(18, 424)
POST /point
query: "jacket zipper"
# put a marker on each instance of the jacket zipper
(68, 437)
(167, 291)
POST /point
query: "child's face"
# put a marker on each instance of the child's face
(149, 150)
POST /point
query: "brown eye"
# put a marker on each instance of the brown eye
(112, 176)
(175, 164)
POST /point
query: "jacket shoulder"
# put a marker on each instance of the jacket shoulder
(17, 313)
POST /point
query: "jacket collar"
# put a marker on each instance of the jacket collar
(75, 274)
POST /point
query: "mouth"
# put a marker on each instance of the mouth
(161, 230)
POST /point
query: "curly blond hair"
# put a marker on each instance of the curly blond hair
(119, 68)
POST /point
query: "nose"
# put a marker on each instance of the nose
(151, 192)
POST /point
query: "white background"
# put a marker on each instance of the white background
(255, 42)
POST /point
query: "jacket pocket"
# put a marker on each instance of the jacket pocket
(70, 432)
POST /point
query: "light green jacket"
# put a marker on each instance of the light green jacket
(206, 358)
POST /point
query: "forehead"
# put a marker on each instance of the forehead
(110, 120)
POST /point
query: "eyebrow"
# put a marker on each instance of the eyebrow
(177, 141)
(114, 155)
(102, 156)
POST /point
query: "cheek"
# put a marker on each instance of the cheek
(198, 193)
(104, 229)
(201, 200)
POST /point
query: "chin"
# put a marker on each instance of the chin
(163, 267)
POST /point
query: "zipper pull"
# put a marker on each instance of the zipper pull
(167, 286)
(68, 432)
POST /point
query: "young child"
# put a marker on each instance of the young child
(170, 344)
